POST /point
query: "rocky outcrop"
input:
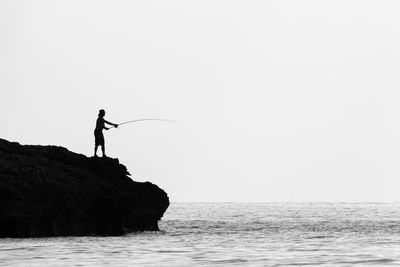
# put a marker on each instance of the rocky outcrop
(50, 191)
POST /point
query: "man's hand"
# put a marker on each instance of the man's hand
(116, 125)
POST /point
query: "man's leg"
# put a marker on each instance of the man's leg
(103, 149)
(95, 150)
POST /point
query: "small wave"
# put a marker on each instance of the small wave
(301, 263)
(172, 251)
(368, 261)
(319, 237)
(230, 261)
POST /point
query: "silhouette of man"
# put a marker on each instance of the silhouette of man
(98, 132)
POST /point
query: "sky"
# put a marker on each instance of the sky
(273, 100)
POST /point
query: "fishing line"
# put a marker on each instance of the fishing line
(127, 122)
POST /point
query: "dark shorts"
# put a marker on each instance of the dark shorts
(98, 138)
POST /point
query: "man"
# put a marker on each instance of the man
(98, 132)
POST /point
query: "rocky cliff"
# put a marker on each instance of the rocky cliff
(50, 191)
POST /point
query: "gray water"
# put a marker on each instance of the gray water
(233, 234)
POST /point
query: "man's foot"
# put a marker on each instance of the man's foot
(95, 156)
(104, 156)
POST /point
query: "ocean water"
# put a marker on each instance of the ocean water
(233, 234)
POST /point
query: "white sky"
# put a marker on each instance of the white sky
(274, 100)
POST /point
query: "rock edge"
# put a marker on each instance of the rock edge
(51, 191)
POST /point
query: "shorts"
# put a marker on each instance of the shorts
(98, 138)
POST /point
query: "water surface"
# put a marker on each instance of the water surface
(233, 234)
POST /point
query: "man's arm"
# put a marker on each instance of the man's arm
(110, 123)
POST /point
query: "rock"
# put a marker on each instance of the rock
(50, 191)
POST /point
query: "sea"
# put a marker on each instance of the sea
(233, 234)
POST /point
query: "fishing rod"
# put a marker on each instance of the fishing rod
(126, 122)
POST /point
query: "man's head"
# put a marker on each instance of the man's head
(102, 113)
